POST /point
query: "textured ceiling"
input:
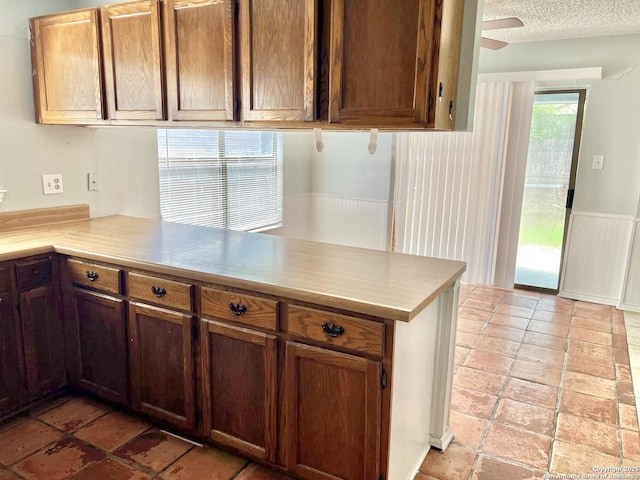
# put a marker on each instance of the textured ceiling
(558, 19)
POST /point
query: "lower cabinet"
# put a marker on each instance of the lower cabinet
(333, 408)
(43, 340)
(239, 388)
(98, 345)
(11, 371)
(161, 364)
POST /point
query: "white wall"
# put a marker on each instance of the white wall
(125, 158)
(612, 116)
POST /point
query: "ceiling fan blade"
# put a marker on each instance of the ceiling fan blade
(492, 44)
(501, 23)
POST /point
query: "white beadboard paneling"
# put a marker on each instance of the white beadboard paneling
(596, 257)
(631, 292)
(350, 221)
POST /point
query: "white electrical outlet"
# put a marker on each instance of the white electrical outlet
(94, 186)
(52, 184)
(598, 162)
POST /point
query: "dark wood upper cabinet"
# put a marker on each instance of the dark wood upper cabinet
(132, 53)
(278, 45)
(65, 56)
(161, 364)
(200, 54)
(97, 345)
(239, 388)
(333, 414)
(380, 59)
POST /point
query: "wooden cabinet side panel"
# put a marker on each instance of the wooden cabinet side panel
(279, 64)
(446, 58)
(132, 60)
(67, 80)
(332, 399)
(161, 364)
(200, 59)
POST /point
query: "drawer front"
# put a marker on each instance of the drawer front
(95, 276)
(239, 307)
(172, 294)
(363, 336)
(34, 273)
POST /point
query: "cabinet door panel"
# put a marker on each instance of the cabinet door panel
(380, 60)
(161, 360)
(131, 46)
(239, 372)
(333, 413)
(278, 39)
(11, 371)
(43, 340)
(200, 49)
(100, 365)
(66, 61)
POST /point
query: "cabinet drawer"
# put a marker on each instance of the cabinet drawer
(364, 336)
(176, 295)
(239, 307)
(95, 276)
(34, 273)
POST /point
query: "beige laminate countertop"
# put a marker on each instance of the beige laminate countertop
(370, 282)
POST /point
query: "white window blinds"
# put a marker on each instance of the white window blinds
(223, 179)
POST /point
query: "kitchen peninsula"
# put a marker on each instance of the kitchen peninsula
(326, 361)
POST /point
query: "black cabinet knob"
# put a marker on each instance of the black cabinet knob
(158, 291)
(332, 329)
(237, 308)
(92, 276)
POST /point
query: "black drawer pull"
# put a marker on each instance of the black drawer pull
(238, 308)
(93, 276)
(332, 329)
(158, 291)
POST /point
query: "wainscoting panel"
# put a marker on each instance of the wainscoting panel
(351, 221)
(631, 293)
(596, 257)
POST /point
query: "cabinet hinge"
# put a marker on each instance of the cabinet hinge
(383, 379)
(197, 417)
(236, 104)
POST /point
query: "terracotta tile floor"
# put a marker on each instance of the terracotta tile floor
(77, 438)
(542, 385)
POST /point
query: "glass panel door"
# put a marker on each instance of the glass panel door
(554, 142)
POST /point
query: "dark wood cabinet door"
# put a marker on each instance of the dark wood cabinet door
(43, 340)
(132, 63)
(12, 386)
(333, 414)
(278, 44)
(97, 345)
(67, 71)
(161, 361)
(239, 375)
(200, 59)
(380, 59)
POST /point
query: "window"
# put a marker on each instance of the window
(223, 179)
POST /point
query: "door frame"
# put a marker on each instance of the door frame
(577, 139)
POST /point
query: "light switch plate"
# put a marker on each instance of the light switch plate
(52, 184)
(598, 162)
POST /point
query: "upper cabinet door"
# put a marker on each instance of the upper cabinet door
(380, 59)
(66, 67)
(200, 51)
(132, 61)
(278, 43)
